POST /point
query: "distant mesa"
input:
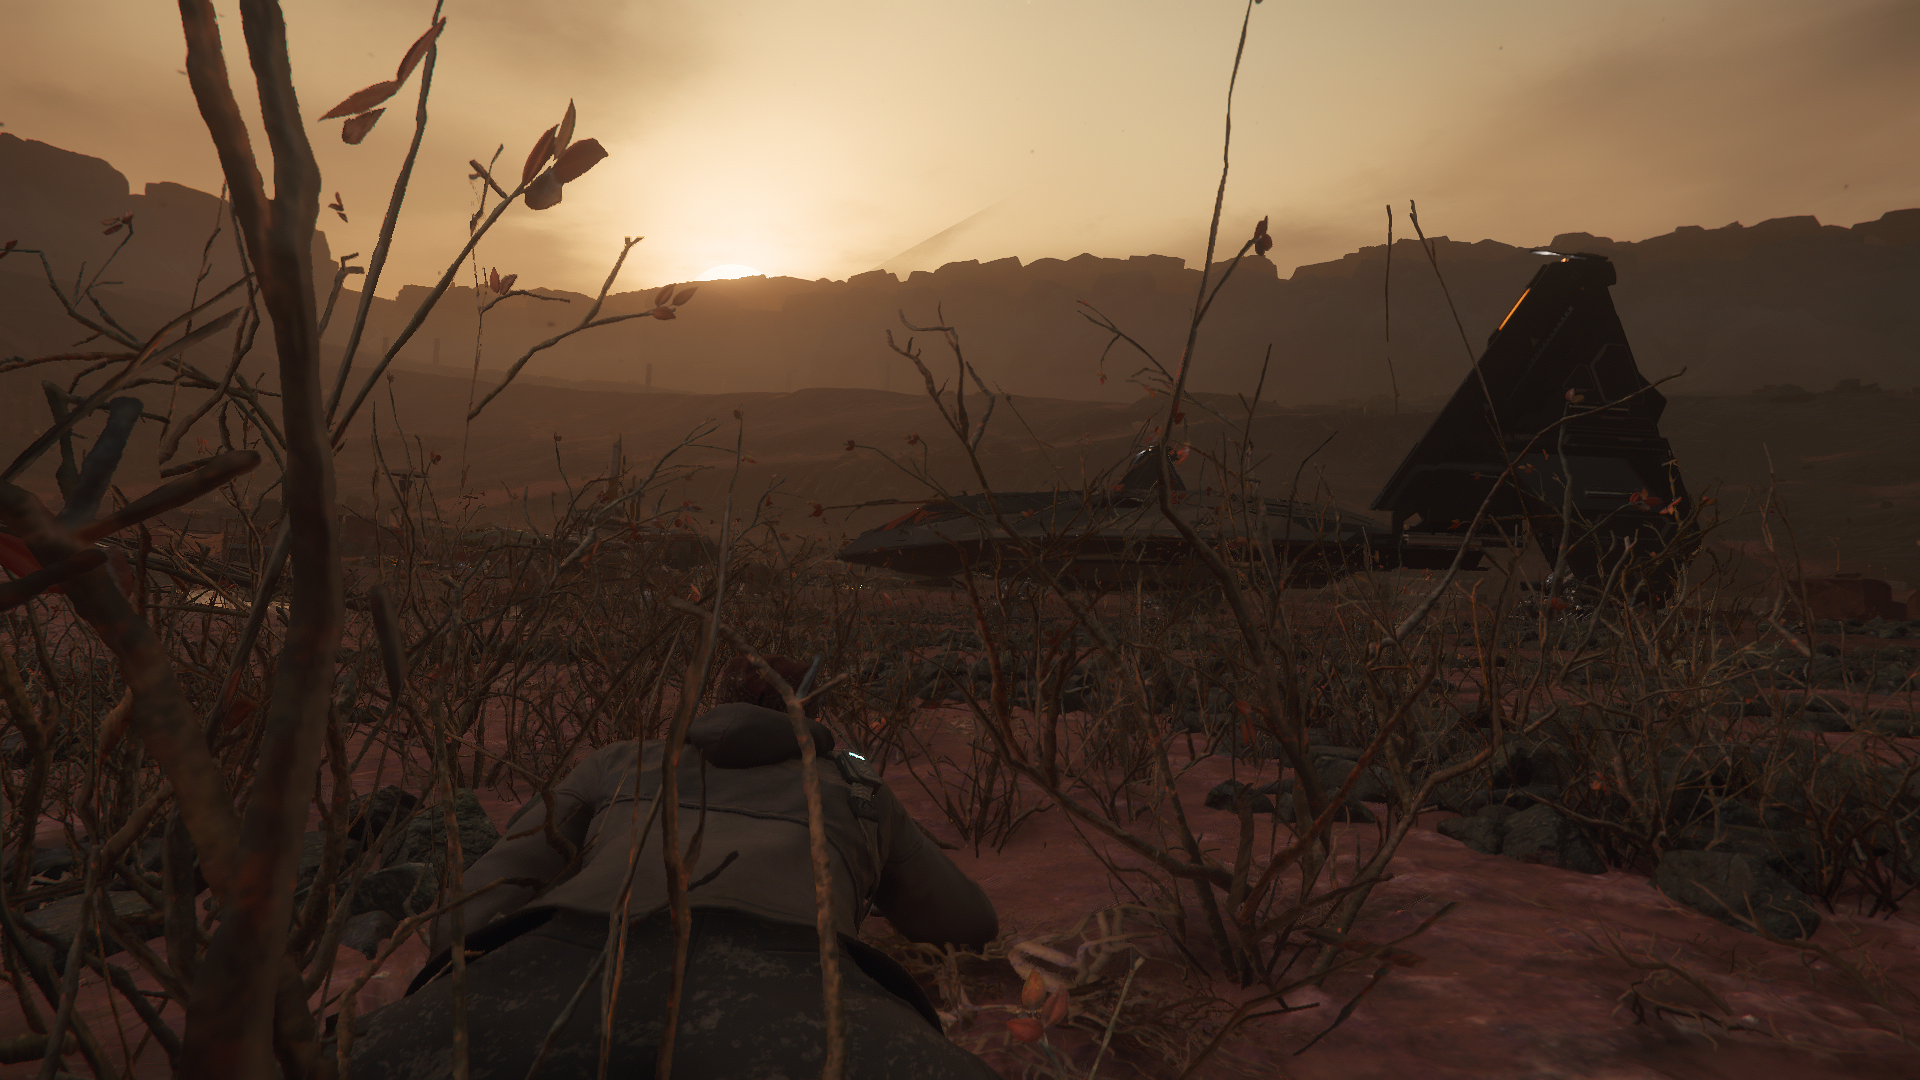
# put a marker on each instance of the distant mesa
(1780, 304)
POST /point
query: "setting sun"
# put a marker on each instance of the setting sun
(727, 270)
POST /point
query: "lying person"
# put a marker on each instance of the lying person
(751, 1006)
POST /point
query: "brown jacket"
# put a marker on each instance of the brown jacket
(753, 854)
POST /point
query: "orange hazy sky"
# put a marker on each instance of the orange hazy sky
(827, 138)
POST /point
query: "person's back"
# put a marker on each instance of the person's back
(751, 1005)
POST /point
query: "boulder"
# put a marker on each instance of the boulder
(1226, 791)
(58, 920)
(1787, 851)
(1542, 836)
(1719, 883)
(52, 862)
(1373, 785)
(313, 848)
(1850, 596)
(367, 930)
(373, 813)
(424, 838)
(1351, 810)
(401, 890)
(1479, 833)
(1511, 798)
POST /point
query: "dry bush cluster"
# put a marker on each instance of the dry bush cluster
(180, 718)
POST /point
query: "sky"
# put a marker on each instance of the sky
(828, 138)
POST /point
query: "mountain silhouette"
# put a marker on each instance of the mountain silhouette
(1786, 301)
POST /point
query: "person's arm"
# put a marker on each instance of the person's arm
(925, 896)
(525, 852)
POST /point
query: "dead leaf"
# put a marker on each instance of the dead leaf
(579, 157)
(418, 50)
(8, 248)
(363, 100)
(736, 415)
(542, 150)
(663, 313)
(545, 192)
(493, 280)
(662, 296)
(565, 138)
(685, 296)
(356, 128)
(506, 283)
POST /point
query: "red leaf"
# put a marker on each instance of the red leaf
(1056, 1010)
(579, 157)
(506, 283)
(1034, 991)
(1179, 417)
(113, 228)
(363, 100)
(1024, 1028)
(685, 296)
(662, 296)
(913, 440)
(663, 313)
(565, 138)
(818, 510)
(356, 128)
(849, 444)
(9, 247)
(737, 416)
(1103, 378)
(544, 193)
(542, 150)
(493, 280)
(418, 50)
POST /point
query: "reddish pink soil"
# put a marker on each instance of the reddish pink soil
(1512, 983)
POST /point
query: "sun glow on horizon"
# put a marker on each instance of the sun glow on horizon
(726, 271)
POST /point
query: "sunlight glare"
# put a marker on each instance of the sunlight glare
(728, 270)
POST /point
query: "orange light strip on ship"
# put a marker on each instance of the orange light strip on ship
(1516, 307)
